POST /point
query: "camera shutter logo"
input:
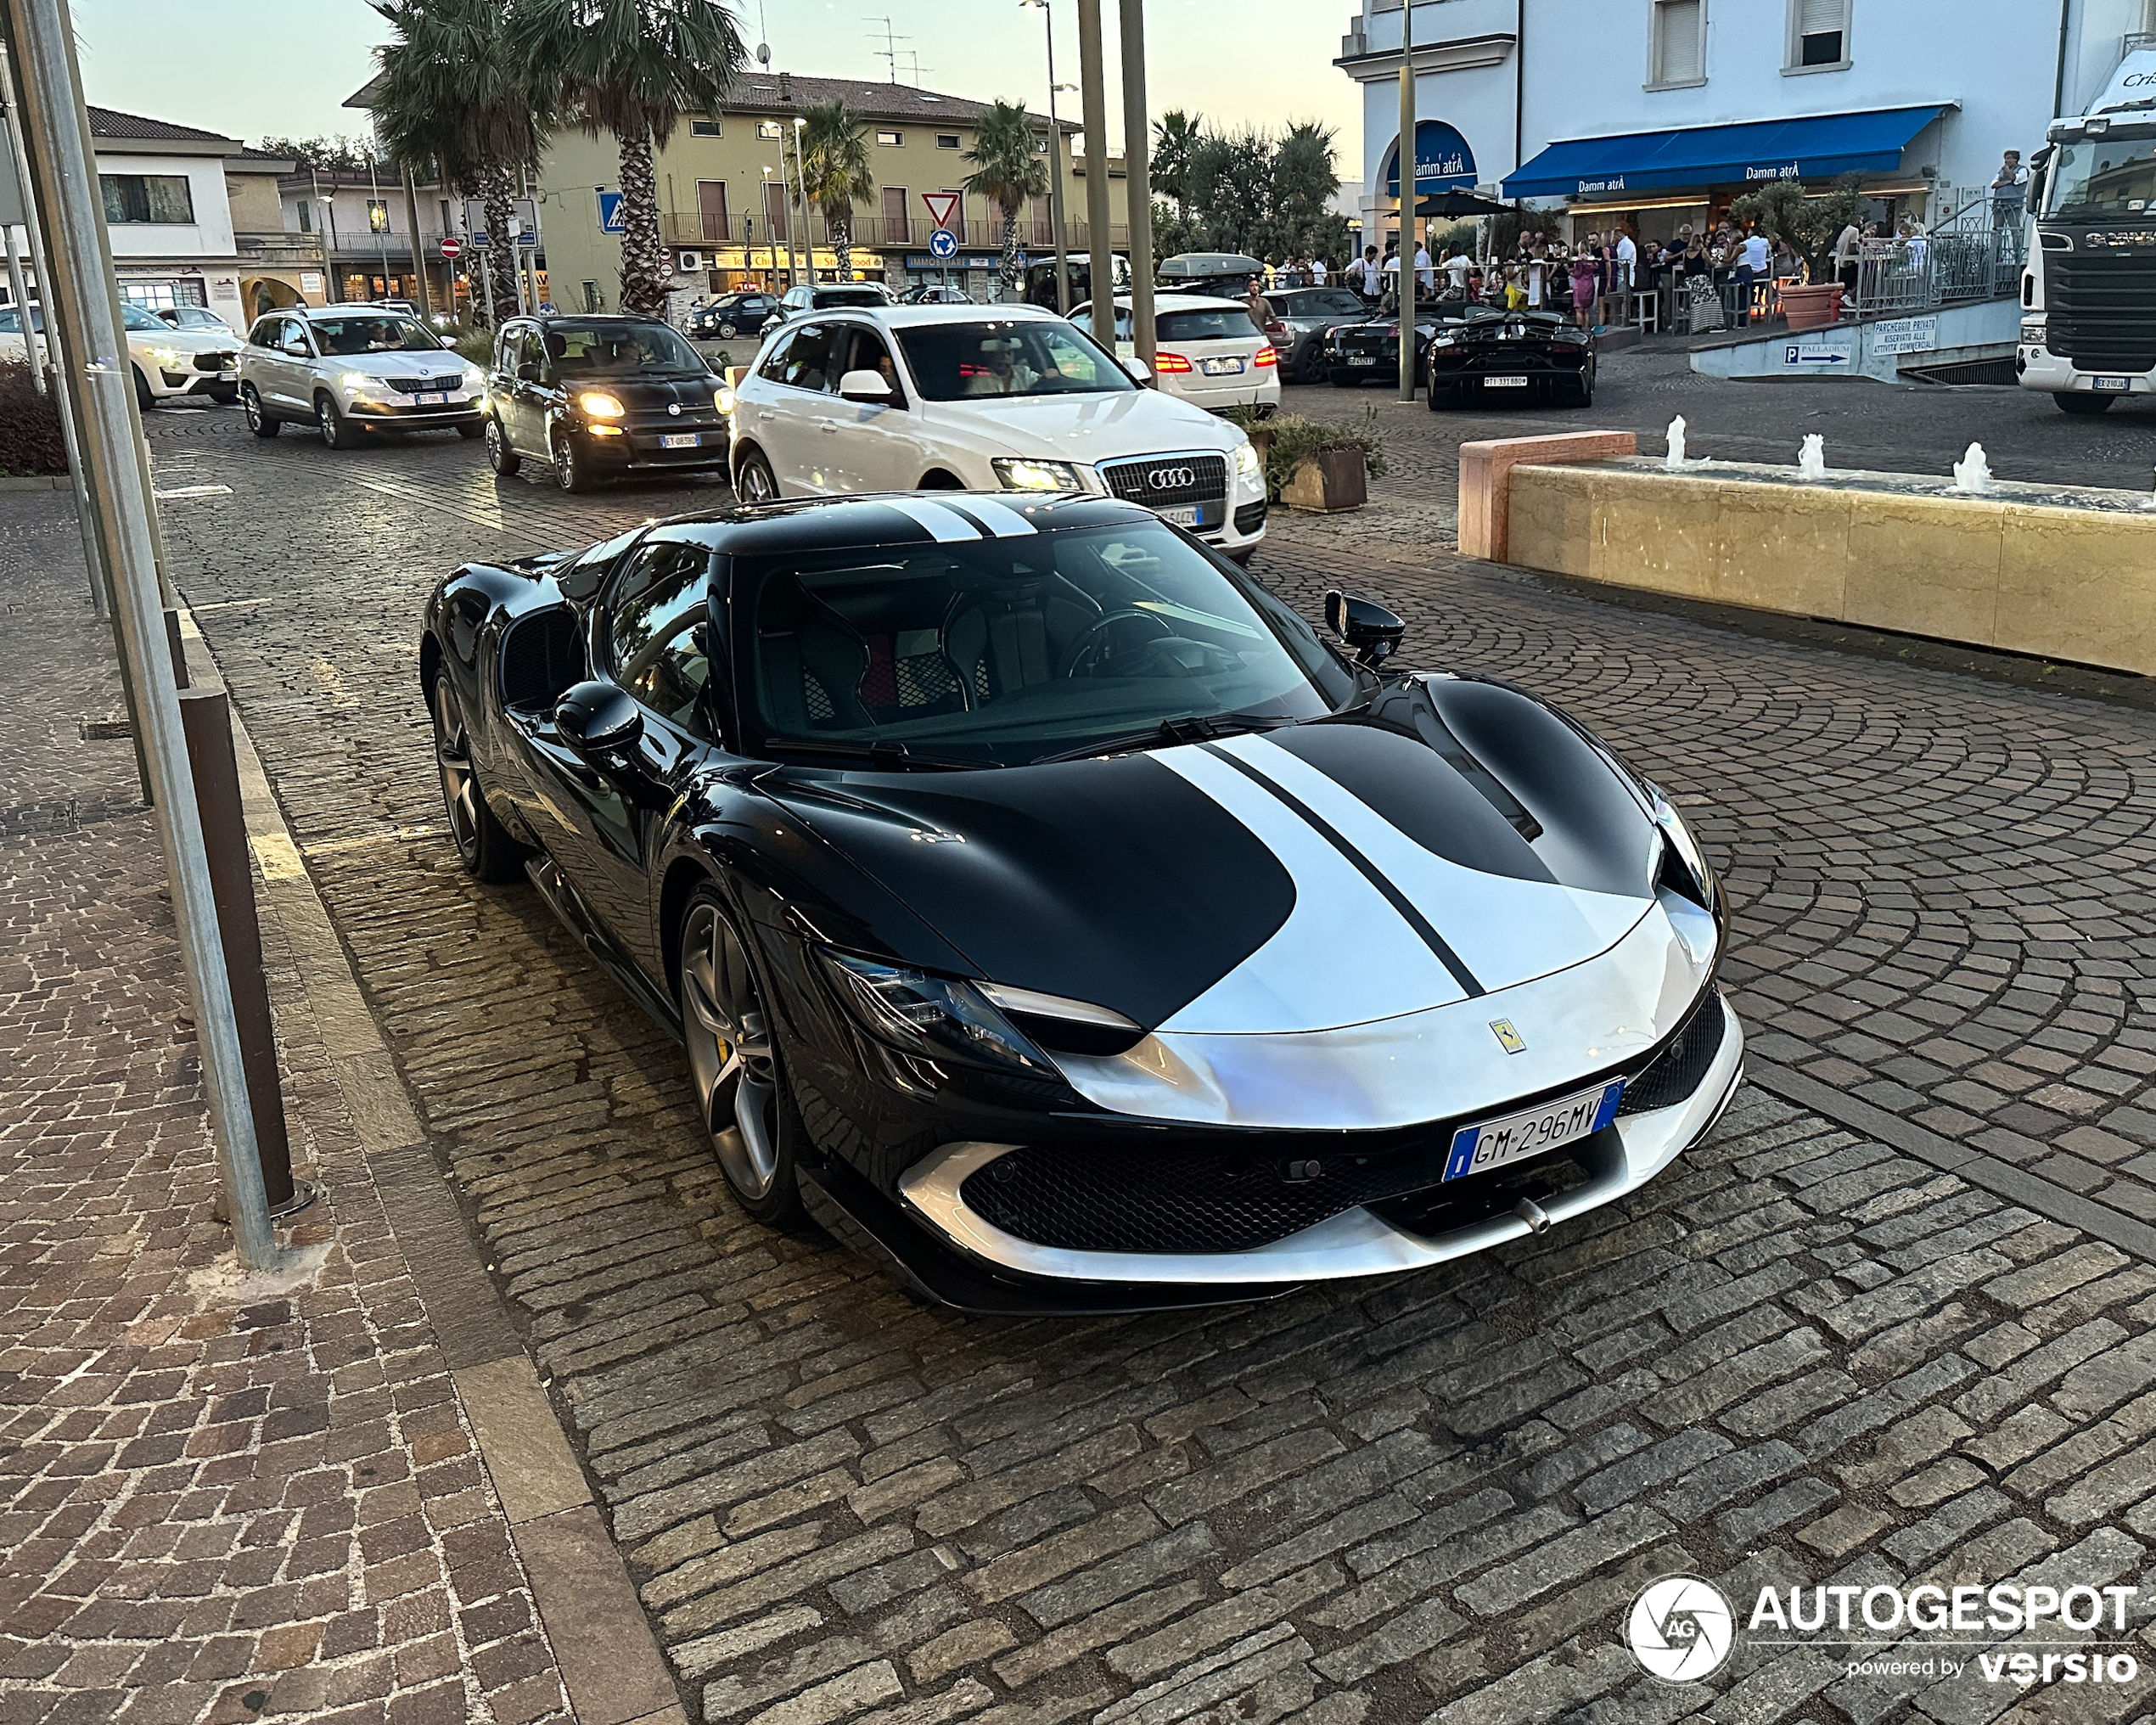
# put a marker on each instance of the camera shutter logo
(1681, 1629)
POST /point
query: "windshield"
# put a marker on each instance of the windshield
(1009, 650)
(135, 318)
(372, 332)
(615, 350)
(2100, 179)
(1017, 357)
(826, 298)
(11, 320)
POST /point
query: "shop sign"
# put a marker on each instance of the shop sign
(1781, 170)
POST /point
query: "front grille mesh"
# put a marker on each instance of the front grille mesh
(1208, 479)
(1674, 1073)
(429, 385)
(2100, 310)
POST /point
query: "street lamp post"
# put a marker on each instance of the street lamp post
(801, 187)
(1059, 233)
(1408, 280)
(1137, 179)
(1093, 87)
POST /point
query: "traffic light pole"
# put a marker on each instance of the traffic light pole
(80, 298)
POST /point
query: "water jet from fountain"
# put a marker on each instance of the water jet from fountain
(1973, 474)
(1811, 460)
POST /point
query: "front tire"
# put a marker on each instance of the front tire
(483, 846)
(504, 460)
(260, 421)
(143, 398)
(2083, 405)
(336, 430)
(570, 472)
(742, 1093)
(754, 482)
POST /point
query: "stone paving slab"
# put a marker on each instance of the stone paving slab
(1801, 1357)
(214, 1505)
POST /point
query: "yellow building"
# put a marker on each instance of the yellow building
(728, 205)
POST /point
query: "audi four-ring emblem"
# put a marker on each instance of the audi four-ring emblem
(1169, 479)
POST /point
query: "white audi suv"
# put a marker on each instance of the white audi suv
(1012, 398)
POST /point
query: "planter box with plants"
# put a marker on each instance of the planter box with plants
(1310, 464)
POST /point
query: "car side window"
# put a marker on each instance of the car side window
(774, 368)
(808, 359)
(508, 348)
(869, 354)
(656, 617)
(264, 334)
(292, 339)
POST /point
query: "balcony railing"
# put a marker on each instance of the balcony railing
(872, 231)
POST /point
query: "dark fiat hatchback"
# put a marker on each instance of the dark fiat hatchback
(598, 396)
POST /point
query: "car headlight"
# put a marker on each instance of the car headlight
(1247, 464)
(475, 379)
(2036, 329)
(722, 399)
(169, 357)
(597, 404)
(1019, 473)
(1690, 874)
(931, 1017)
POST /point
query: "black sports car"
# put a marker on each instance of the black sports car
(1492, 354)
(1049, 911)
(1354, 354)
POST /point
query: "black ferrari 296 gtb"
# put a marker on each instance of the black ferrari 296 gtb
(1049, 911)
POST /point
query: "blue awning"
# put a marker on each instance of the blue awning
(1754, 152)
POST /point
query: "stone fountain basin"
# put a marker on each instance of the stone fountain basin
(2059, 572)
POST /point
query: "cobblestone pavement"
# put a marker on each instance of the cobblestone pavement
(1803, 1355)
(213, 1507)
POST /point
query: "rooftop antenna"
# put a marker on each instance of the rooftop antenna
(913, 60)
(889, 52)
(763, 35)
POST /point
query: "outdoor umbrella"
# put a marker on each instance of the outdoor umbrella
(1457, 205)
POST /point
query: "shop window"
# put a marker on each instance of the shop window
(1679, 52)
(1818, 36)
(147, 197)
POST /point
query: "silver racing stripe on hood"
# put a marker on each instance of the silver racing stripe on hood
(1381, 926)
(1505, 930)
(1344, 956)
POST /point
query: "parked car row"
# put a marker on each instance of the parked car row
(167, 360)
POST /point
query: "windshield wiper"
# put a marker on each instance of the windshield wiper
(1170, 732)
(889, 756)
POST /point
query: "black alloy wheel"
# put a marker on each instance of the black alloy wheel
(747, 1108)
(336, 430)
(500, 457)
(260, 421)
(570, 472)
(728, 332)
(483, 846)
(756, 483)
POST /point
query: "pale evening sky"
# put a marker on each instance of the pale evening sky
(288, 64)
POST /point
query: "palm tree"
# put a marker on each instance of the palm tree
(1008, 168)
(452, 93)
(633, 68)
(1175, 135)
(835, 172)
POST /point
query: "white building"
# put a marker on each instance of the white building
(1663, 110)
(194, 220)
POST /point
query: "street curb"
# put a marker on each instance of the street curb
(2018, 1185)
(603, 1644)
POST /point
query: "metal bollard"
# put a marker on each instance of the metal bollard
(173, 639)
(207, 719)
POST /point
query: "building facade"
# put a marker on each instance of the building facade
(195, 219)
(361, 224)
(728, 205)
(1659, 112)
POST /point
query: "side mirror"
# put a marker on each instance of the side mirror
(1138, 369)
(528, 372)
(296, 348)
(869, 386)
(1368, 627)
(597, 718)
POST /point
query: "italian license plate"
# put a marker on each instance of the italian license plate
(1185, 516)
(1477, 1148)
(2114, 383)
(1504, 383)
(680, 440)
(1219, 367)
(1363, 359)
(432, 398)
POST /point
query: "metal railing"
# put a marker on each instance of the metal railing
(1963, 263)
(872, 231)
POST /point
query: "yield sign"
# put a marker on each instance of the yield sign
(943, 206)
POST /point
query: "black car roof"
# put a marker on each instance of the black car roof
(907, 518)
